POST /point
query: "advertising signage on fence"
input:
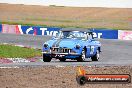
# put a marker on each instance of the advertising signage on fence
(38, 30)
(52, 31)
(35, 30)
(105, 33)
(9, 28)
(0, 28)
(124, 35)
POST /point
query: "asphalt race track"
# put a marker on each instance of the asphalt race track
(114, 52)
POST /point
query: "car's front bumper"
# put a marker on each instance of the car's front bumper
(61, 55)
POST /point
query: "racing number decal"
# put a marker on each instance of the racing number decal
(91, 49)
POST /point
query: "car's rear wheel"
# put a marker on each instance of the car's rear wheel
(62, 59)
(46, 58)
(96, 56)
(82, 57)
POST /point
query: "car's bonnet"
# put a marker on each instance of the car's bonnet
(68, 43)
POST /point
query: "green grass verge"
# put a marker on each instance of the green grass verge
(10, 51)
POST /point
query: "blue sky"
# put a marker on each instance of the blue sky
(78, 3)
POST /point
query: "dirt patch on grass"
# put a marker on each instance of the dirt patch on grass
(56, 77)
(67, 16)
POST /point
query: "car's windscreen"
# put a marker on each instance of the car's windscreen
(72, 34)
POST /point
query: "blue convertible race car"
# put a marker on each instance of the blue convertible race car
(72, 44)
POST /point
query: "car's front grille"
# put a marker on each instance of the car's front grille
(60, 50)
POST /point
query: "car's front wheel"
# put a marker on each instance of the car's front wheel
(82, 57)
(96, 56)
(46, 58)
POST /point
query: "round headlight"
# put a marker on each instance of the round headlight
(45, 45)
(77, 46)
